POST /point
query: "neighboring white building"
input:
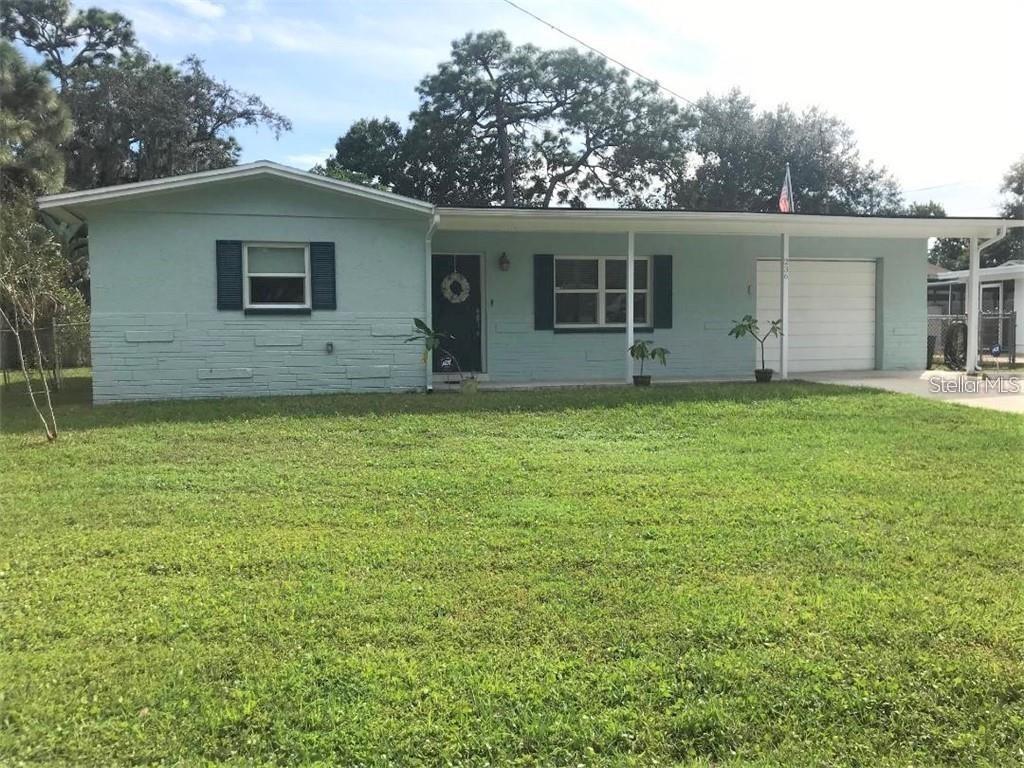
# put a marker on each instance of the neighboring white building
(1002, 291)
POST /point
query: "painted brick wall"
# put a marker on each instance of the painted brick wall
(713, 285)
(204, 355)
(156, 332)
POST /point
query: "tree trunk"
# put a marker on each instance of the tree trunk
(51, 430)
(505, 152)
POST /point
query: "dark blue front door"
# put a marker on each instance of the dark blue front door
(456, 311)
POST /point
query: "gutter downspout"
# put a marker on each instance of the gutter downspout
(428, 277)
(974, 296)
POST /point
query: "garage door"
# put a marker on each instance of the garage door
(831, 314)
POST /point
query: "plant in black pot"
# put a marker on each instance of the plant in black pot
(748, 325)
(642, 350)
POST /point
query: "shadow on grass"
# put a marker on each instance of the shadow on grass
(73, 404)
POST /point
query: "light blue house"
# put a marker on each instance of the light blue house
(262, 279)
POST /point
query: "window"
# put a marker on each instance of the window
(591, 292)
(276, 275)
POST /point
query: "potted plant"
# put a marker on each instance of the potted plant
(748, 325)
(642, 350)
(432, 342)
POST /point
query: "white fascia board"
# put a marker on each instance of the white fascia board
(724, 223)
(1002, 272)
(249, 170)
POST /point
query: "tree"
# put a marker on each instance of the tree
(135, 118)
(742, 155)
(514, 125)
(607, 136)
(141, 119)
(1012, 248)
(947, 252)
(33, 124)
(953, 253)
(69, 41)
(372, 149)
(34, 293)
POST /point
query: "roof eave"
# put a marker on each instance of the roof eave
(62, 201)
(696, 222)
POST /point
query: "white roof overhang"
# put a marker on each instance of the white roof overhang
(715, 223)
(63, 206)
(1008, 271)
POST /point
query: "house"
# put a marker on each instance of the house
(262, 279)
(999, 286)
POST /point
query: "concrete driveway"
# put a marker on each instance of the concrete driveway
(1000, 392)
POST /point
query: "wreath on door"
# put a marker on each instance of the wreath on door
(455, 287)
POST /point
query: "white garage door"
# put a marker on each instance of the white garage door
(831, 314)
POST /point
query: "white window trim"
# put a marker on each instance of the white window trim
(246, 274)
(603, 292)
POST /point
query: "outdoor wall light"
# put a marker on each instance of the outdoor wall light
(330, 347)
(503, 262)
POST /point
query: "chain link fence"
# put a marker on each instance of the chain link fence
(63, 345)
(947, 339)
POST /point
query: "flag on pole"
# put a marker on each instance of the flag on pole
(786, 202)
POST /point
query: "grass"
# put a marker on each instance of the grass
(711, 575)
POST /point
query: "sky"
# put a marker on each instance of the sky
(931, 89)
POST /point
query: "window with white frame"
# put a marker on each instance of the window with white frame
(276, 275)
(591, 291)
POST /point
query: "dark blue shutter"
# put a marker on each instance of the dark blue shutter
(321, 266)
(662, 291)
(543, 292)
(229, 274)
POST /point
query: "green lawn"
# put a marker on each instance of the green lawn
(717, 575)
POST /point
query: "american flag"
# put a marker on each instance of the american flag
(786, 203)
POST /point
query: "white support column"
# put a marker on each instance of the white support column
(428, 297)
(630, 258)
(973, 302)
(783, 309)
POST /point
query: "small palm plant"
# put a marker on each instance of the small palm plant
(433, 341)
(748, 325)
(642, 350)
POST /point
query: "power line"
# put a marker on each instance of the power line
(601, 53)
(936, 186)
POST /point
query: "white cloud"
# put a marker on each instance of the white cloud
(307, 161)
(926, 85)
(203, 9)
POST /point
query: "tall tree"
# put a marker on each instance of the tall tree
(607, 136)
(490, 89)
(71, 42)
(514, 125)
(1012, 248)
(33, 125)
(742, 154)
(134, 117)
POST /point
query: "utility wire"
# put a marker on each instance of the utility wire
(601, 53)
(658, 85)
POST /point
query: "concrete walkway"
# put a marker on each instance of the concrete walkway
(1000, 392)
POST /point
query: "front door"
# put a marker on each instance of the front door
(456, 310)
